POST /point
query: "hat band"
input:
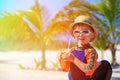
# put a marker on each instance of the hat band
(86, 21)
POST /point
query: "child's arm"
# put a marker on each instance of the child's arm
(90, 57)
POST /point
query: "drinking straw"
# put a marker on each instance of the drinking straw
(69, 44)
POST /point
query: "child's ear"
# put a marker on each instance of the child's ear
(92, 36)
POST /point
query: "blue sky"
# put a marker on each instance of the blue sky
(53, 5)
(11, 5)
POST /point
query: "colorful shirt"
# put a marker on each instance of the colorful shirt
(87, 56)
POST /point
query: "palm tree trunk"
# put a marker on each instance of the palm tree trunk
(43, 66)
(102, 54)
(113, 51)
(113, 56)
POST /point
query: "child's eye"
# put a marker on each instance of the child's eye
(85, 32)
(76, 31)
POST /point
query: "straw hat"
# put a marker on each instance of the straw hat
(82, 19)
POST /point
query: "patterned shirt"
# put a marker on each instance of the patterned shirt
(87, 56)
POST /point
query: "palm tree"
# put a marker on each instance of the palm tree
(106, 14)
(32, 27)
(38, 16)
(11, 32)
(110, 9)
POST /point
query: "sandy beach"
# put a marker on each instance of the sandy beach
(9, 69)
(42, 75)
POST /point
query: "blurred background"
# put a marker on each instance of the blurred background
(34, 32)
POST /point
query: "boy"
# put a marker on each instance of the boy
(82, 59)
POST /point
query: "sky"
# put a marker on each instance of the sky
(52, 5)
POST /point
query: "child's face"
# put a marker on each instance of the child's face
(83, 34)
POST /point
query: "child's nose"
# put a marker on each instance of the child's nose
(81, 34)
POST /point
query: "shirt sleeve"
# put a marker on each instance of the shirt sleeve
(90, 59)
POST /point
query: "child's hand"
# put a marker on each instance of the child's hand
(64, 64)
(68, 56)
